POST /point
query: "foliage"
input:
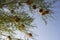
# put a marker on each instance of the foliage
(12, 19)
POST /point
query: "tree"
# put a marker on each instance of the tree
(14, 17)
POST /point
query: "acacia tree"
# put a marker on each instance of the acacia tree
(14, 16)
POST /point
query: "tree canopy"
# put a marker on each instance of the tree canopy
(14, 16)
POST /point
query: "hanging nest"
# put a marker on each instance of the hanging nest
(43, 12)
(21, 27)
(34, 6)
(29, 2)
(16, 18)
(29, 35)
(9, 38)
